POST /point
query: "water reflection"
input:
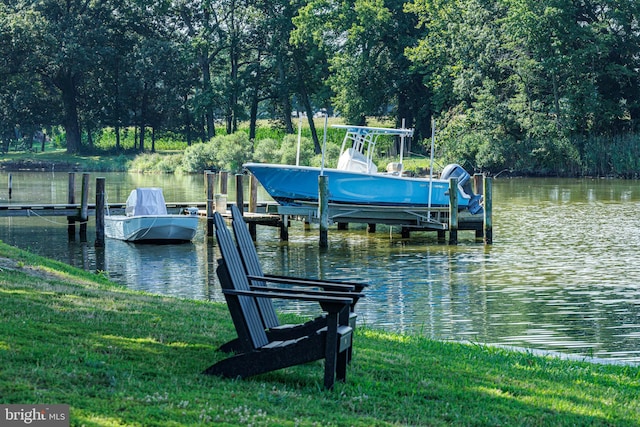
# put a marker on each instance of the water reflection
(162, 269)
(561, 274)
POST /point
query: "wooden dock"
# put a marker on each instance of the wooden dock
(440, 220)
(74, 209)
(29, 210)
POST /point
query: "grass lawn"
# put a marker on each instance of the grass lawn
(119, 357)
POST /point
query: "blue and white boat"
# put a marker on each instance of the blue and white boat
(356, 180)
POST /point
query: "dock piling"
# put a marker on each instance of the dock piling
(478, 183)
(239, 193)
(488, 207)
(84, 207)
(253, 194)
(71, 198)
(253, 204)
(210, 178)
(224, 182)
(284, 228)
(405, 232)
(221, 196)
(453, 211)
(100, 205)
(323, 206)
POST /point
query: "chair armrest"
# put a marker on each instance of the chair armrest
(304, 282)
(353, 295)
(326, 282)
(330, 304)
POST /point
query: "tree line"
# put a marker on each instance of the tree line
(548, 86)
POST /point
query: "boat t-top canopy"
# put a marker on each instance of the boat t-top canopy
(362, 140)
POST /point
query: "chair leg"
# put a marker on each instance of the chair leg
(352, 323)
(341, 367)
(331, 350)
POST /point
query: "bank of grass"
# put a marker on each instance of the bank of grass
(119, 357)
(59, 160)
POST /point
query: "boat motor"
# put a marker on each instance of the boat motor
(464, 184)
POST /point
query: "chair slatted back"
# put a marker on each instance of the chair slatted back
(245, 314)
(252, 265)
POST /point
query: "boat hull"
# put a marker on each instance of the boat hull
(290, 185)
(151, 228)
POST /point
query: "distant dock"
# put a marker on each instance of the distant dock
(74, 210)
(407, 219)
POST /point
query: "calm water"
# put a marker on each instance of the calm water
(562, 275)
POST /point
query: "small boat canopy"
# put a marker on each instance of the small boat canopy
(146, 201)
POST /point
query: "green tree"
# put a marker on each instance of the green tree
(202, 22)
(461, 56)
(522, 78)
(26, 103)
(65, 40)
(364, 41)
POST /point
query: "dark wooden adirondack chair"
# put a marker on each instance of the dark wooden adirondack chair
(257, 278)
(258, 354)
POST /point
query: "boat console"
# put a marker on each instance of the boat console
(354, 161)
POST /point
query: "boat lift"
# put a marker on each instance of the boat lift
(417, 218)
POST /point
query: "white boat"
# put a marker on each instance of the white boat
(356, 180)
(146, 220)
